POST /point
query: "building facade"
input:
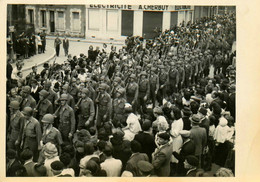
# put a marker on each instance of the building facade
(57, 19)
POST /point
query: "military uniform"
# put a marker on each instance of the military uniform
(154, 86)
(86, 112)
(31, 136)
(44, 107)
(15, 129)
(29, 101)
(144, 91)
(217, 63)
(163, 76)
(188, 74)
(173, 81)
(66, 121)
(53, 136)
(104, 109)
(181, 76)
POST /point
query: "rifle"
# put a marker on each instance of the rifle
(35, 110)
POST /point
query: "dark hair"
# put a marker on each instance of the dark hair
(194, 107)
(92, 166)
(26, 154)
(177, 113)
(135, 146)
(108, 151)
(89, 148)
(101, 145)
(70, 150)
(65, 158)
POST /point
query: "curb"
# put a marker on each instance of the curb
(114, 42)
(41, 63)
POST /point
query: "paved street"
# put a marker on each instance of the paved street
(75, 48)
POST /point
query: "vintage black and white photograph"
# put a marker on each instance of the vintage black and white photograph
(108, 90)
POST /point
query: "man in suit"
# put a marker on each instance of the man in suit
(57, 43)
(66, 45)
(12, 163)
(199, 136)
(27, 157)
(162, 155)
(146, 139)
(136, 156)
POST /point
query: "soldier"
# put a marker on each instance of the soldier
(144, 92)
(173, 79)
(132, 89)
(66, 117)
(74, 89)
(118, 110)
(104, 106)
(50, 134)
(14, 95)
(116, 86)
(154, 85)
(181, 72)
(162, 84)
(217, 62)
(71, 101)
(188, 72)
(194, 66)
(52, 96)
(32, 134)
(92, 92)
(44, 106)
(16, 125)
(207, 62)
(28, 100)
(86, 110)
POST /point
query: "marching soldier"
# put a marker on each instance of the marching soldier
(52, 96)
(188, 72)
(16, 125)
(144, 92)
(66, 117)
(181, 71)
(116, 86)
(44, 106)
(71, 101)
(28, 100)
(163, 76)
(73, 90)
(118, 111)
(154, 85)
(132, 90)
(104, 106)
(217, 62)
(173, 79)
(86, 110)
(32, 134)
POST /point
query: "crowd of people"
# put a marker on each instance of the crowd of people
(154, 108)
(26, 45)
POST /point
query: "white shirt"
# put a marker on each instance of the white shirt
(112, 167)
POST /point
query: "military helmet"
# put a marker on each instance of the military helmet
(85, 90)
(26, 89)
(44, 93)
(48, 118)
(14, 104)
(64, 97)
(27, 111)
(121, 90)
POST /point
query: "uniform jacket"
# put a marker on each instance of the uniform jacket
(28, 102)
(65, 43)
(45, 107)
(16, 125)
(87, 109)
(67, 117)
(54, 136)
(11, 168)
(161, 160)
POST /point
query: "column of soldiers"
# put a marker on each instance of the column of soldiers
(142, 76)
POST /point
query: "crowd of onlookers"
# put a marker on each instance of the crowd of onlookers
(159, 107)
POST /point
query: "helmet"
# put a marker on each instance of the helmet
(85, 90)
(65, 87)
(64, 97)
(47, 83)
(103, 86)
(48, 118)
(44, 93)
(117, 79)
(26, 89)
(14, 104)
(143, 73)
(132, 76)
(73, 79)
(27, 111)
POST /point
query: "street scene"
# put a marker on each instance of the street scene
(120, 91)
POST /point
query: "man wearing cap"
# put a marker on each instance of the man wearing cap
(186, 113)
(188, 72)
(161, 157)
(144, 92)
(66, 117)
(56, 168)
(181, 72)
(44, 106)
(154, 84)
(132, 90)
(28, 100)
(73, 90)
(86, 110)
(31, 135)
(12, 163)
(104, 104)
(191, 164)
(16, 125)
(70, 99)
(118, 108)
(217, 62)
(187, 148)
(116, 86)
(199, 136)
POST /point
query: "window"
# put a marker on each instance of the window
(112, 20)
(75, 22)
(43, 18)
(93, 19)
(60, 20)
(31, 16)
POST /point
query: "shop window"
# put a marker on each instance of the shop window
(112, 20)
